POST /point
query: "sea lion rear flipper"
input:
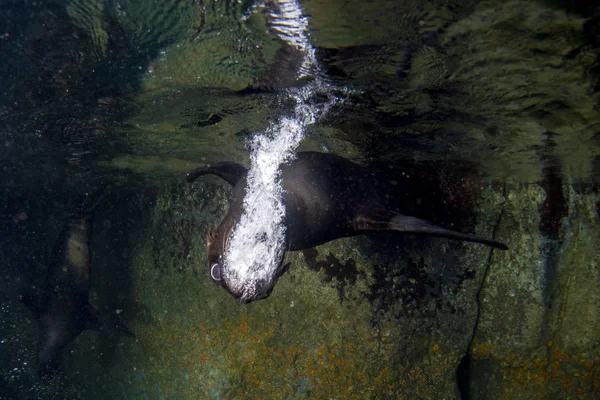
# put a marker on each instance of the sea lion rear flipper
(122, 329)
(407, 224)
(92, 319)
(106, 323)
(229, 171)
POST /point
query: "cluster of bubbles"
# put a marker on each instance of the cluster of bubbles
(256, 246)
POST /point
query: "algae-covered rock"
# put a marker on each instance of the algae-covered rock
(536, 336)
(379, 317)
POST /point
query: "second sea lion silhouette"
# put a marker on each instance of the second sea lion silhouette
(61, 304)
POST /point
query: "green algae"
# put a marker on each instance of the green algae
(312, 338)
(305, 341)
(535, 336)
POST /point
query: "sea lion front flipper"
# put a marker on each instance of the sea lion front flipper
(35, 299)
(228, 171)
(406, 224)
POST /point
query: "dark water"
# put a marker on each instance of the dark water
(480, 115)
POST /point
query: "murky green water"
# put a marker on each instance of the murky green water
(481, 115)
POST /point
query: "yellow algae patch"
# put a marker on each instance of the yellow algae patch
(547, 368)
(244, 359)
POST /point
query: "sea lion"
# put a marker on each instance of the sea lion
(61, 305)
(326, 197)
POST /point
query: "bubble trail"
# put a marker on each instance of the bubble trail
(256, 245)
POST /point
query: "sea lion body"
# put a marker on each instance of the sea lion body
(326, 197)
(322, 196)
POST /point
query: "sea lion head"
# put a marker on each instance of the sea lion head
(258, 287)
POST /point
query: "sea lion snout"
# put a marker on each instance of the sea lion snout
(262, 290)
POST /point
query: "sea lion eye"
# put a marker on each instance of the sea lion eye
(215, 272)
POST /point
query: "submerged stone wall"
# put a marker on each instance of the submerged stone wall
(380, 316)
(387, 316)
(537, 336)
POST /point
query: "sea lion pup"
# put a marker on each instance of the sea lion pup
(326, 197)
(61, 305)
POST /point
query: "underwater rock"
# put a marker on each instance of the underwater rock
(397, 324)
(325, 332)
(536, 336)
